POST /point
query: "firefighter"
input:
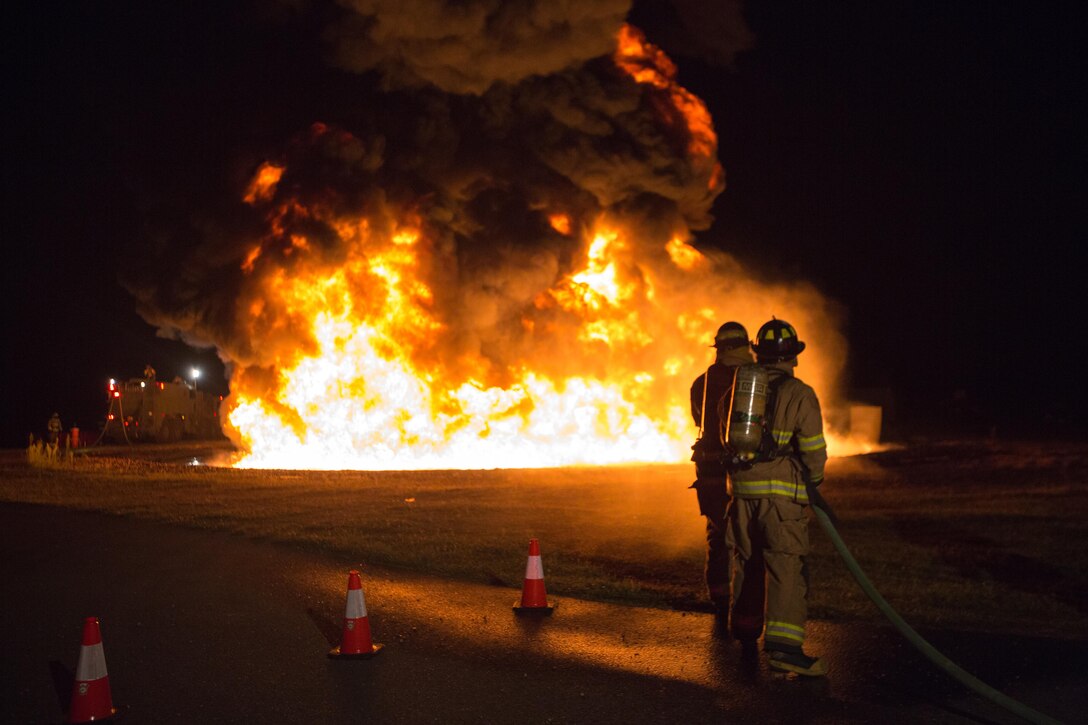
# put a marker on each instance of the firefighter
(149, 372)
(731, 343)
(767, 524)
(53, 429)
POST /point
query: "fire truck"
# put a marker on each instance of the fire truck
(145, 409)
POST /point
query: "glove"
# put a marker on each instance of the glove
(817, 499)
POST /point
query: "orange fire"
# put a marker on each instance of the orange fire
(560, 223)
(374, 369)
(264, 183)
(614, 348)
(649, 65)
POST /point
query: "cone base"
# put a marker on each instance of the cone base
(544, 609)
(336, 654)
(115, 714)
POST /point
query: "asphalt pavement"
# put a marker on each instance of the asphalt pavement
(203, 626)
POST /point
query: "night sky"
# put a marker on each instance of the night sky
(920, 163)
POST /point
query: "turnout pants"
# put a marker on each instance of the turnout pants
(769, 542)
(710, 487)
(717, 558)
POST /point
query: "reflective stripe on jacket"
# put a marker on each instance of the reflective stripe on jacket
(797, 426)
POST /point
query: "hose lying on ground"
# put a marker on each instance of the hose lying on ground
(957, 672)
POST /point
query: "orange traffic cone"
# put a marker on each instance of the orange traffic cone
(355, 643)
(91, 698)
(533, 596)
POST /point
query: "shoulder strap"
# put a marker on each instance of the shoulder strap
(702, 410)
(775, 379)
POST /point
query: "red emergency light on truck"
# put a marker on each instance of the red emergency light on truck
(143, 409)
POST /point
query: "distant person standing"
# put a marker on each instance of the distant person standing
(768, 515)
(732, 351)
(149, 372)
(53, 429)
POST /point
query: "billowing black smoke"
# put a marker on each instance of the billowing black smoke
(488, 116)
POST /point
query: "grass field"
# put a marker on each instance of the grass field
(978, 536)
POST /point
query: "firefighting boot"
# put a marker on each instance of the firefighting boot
(749, 651)
(797, 661)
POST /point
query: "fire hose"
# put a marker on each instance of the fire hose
(825, 516)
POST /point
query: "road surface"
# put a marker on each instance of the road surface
(204, 626)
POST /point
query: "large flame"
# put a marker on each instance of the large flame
(361, 394)
(369, 372)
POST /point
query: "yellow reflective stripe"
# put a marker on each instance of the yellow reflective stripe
(785, 630)
(808, 443)
(771, 488)
(786, 625)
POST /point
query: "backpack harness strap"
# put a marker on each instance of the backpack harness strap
(770, 449)
(702, 410)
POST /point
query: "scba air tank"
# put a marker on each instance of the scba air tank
(747, 410)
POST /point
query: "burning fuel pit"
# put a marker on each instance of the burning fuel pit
(478, 272)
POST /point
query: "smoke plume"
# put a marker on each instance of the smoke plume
(453, 216)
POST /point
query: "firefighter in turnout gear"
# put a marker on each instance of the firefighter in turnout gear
(731, 343)
(767, 521)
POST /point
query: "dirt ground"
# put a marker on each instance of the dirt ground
(206, 626)
(977, 535)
